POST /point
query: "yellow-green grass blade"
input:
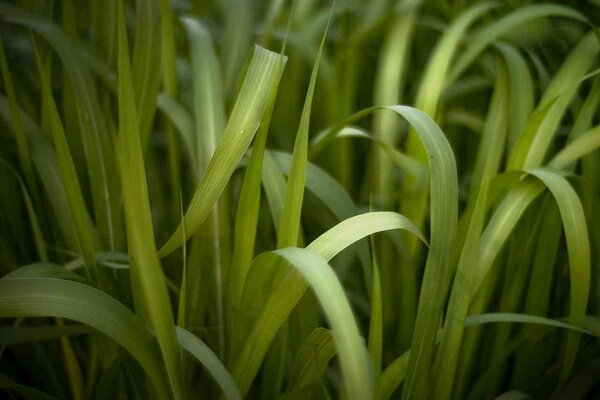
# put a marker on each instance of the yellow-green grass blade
(531, 148)
(351, 351)
(334, 197)
(504, 25)
(584, 144)
(444, 210)
(148, 282)
(521, 91)
(44, 297)
(288, 292)
(473, 320)
(289, 225)
(393, 375)
(74, 194)
(209, 361)
(389, 82)
(375, 340)
(493, 136)
(448, 351)
(209, 118)
(209, 112)
(263, 74)
(578, 246)
(246, 218)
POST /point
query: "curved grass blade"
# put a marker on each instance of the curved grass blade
(311, 360)
(578, 246)
(44, 297)
(351, 350)
(473, 320)
(497, 29)
(263, 74)
(265, 321)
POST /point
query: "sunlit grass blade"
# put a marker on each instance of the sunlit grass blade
(263, 73)
(290, 289)
(351, 350)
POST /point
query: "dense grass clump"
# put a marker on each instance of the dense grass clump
(299, 200)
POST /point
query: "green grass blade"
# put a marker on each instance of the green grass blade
(75, 199)
(578, 246)
(351, 350)
(502, 26)
(43, 297)
(149, 286)
(263, 73)
(393, 375)
(289, 225)
(473, 320)
(287, 293)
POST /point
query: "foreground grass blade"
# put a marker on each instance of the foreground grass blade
(351, 350)
(263, 74)
(44, 297)
(290, 289)
(149, 286)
